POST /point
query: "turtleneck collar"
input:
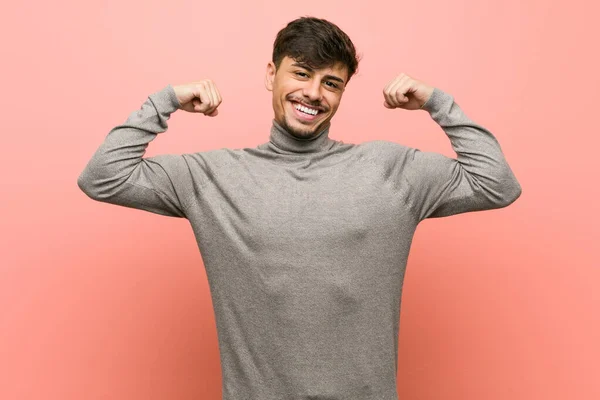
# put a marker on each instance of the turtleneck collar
(287, 143)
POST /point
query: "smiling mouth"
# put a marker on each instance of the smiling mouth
(305, 112)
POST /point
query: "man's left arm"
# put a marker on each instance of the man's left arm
(478, 179)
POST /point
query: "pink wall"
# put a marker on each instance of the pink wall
(103, 302)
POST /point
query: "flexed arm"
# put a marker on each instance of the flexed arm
(118, 174)
(478, 179)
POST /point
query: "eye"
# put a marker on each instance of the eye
(302, 74)
(332, 84)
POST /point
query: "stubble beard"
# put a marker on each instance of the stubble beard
(301, 134)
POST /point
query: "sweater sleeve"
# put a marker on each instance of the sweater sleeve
(118, 174)
(478, 179)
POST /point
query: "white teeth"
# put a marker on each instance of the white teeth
(306, 109)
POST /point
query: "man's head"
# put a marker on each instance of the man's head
(313, 60)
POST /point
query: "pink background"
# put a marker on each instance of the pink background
(104, 302)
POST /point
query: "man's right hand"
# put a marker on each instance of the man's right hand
(199, 97)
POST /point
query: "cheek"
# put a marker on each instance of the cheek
(286, 88)
(333, 103)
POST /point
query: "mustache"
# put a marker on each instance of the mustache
(308, 103)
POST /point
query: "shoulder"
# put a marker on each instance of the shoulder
(385, 151)
(215, 156)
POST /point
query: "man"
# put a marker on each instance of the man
(304, 238)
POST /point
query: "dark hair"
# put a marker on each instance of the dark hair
(316, 42)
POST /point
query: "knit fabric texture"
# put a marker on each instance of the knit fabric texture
(304, 242)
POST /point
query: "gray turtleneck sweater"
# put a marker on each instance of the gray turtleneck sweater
(304, 242)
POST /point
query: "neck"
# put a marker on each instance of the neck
(285, 142)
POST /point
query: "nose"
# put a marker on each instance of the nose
(312, 90)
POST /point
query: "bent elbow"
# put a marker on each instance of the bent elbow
(92, 185)
(510, 191)
(85, 183)
(498, 189)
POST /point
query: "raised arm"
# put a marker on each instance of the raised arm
(478, 179)
(118, 174)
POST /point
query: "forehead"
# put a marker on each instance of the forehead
(337, 69)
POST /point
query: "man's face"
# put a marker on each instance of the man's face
(295, 86)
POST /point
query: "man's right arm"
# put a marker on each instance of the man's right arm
(118, 174)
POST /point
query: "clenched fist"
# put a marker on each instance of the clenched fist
(406, 92)
(201, 97)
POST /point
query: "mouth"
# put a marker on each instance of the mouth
(304, 112)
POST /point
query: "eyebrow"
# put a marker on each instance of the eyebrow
(306, 67)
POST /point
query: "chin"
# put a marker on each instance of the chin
(301, 131)
(299, 126)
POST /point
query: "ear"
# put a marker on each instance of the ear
(270, 76)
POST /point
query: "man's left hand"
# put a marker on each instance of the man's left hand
(406, 92)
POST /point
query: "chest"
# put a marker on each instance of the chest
(304, 207)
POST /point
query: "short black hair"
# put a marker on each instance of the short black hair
(317, 43)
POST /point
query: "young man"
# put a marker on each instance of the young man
(304, 238)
